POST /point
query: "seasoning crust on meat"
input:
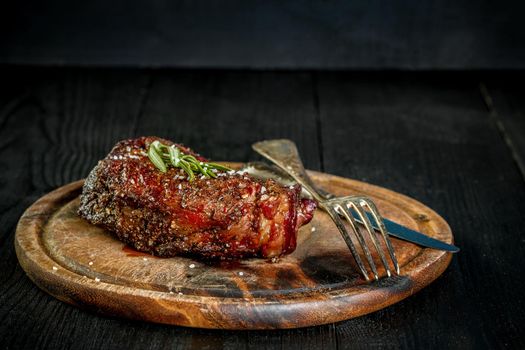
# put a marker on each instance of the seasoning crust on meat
(229, 217)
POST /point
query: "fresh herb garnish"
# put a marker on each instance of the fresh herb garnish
(163, 156)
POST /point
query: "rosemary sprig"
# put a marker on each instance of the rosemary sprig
(163, 156)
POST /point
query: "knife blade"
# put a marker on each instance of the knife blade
(406, 234)
(265, 171)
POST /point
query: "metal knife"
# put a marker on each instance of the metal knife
(265, 171)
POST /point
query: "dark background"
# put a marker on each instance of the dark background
(423, 97)
(295, 34)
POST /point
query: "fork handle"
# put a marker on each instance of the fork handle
(284, 154)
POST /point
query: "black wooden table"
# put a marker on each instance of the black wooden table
(454, 141)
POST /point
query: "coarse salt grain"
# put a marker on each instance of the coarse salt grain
(55, 268)
(97, 279)
(180, 293)
(180, 186)
(192, 266)
(313, 229)
(263, 189)
(241, 273)
(145, 259)
(90, 263)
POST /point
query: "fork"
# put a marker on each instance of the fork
(284, 154)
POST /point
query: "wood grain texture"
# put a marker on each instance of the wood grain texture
(504, 98)
(220, 113)
(441, 147)
(318, 283)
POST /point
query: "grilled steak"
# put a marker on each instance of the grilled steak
(229, 217)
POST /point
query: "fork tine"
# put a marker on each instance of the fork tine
(366, 222)
(381, 225)
(360, 238)
(335, 217)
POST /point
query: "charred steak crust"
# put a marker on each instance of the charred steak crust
(233, 216)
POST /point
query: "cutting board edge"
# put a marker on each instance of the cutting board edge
(293, 314)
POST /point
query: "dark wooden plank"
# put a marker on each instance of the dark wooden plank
(432, 138)
(16, 193)
(505, 99)
(82, 115)
(220, 114)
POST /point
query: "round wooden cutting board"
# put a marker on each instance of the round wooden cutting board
(319, 283)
